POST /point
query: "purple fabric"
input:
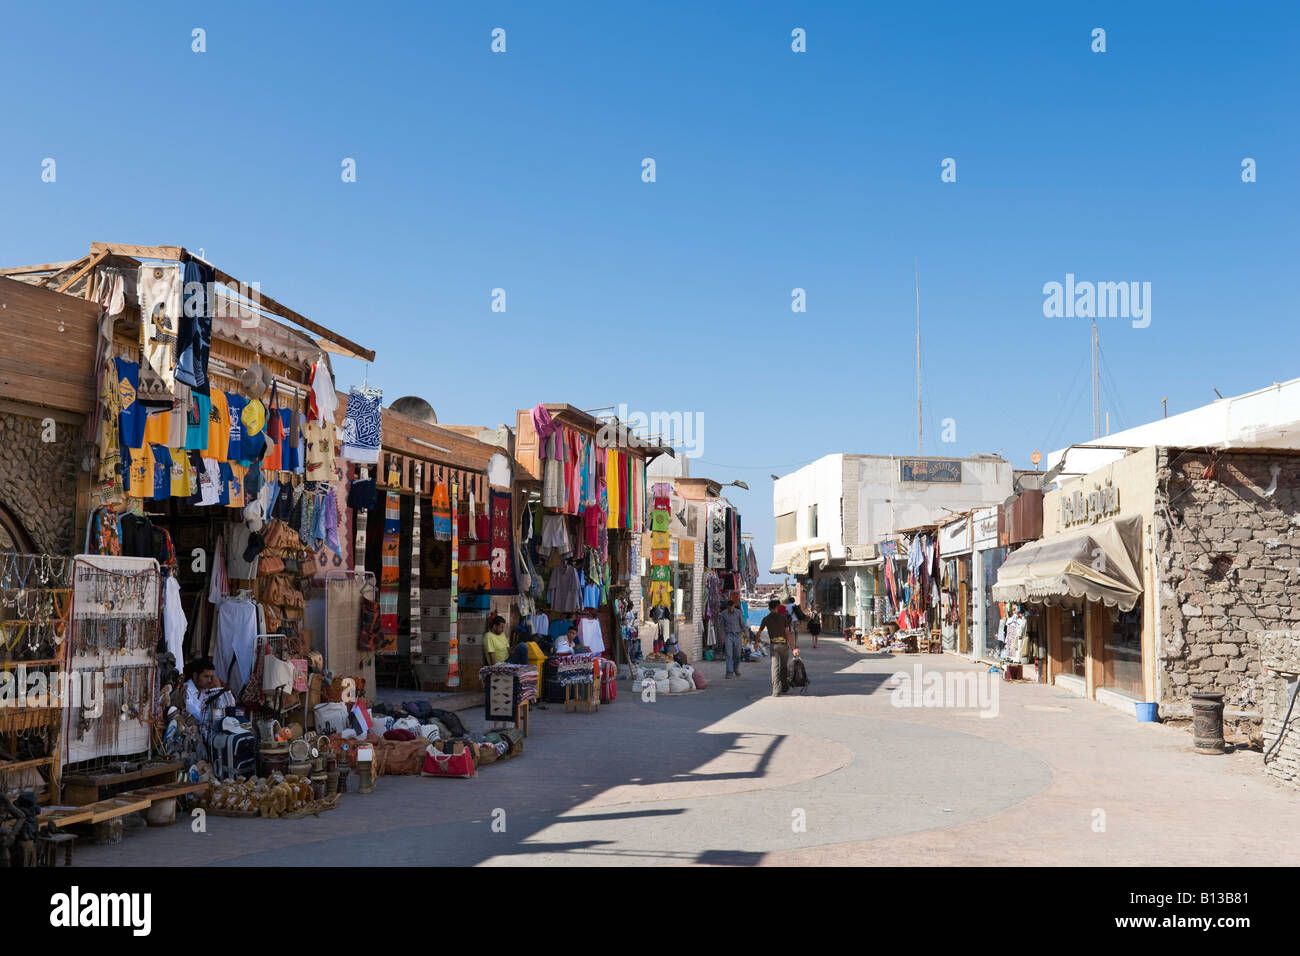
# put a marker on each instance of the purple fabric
(542, 422)
(332, 522)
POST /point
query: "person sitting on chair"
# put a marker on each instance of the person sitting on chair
(203, 690)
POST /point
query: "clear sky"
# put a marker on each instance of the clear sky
(775, 170)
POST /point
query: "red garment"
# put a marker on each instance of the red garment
(593, 520)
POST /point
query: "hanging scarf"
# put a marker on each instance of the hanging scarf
(390, 572)
(441, 507)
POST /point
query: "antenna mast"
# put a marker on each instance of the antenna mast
(917, 271)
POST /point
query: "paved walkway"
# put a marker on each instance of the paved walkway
(839, 775)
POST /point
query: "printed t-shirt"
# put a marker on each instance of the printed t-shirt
(131, 420)
(210, 483)
(218, 425)
(182, 478)
(162, 472)
(139, 476)
(197, 422)
(235, 496)
(223, 483)
(320, 450)
(235, 447)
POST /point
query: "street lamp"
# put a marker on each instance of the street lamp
(739, 484)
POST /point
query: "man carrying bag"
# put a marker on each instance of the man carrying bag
(783, 642)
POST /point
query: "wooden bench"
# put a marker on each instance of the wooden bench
(572, 702)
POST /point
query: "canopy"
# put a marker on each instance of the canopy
(1098, 563)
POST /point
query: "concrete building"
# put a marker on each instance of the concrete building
(832, 514)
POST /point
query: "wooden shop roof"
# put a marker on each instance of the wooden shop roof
(73, 278)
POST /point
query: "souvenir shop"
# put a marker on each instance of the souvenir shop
(987, 556)
(727, 566)
(913, 591)
(435, 536)
(955, 590)
(582, 505)
(212, 506)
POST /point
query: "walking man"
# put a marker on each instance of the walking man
(783, 641)
(733, 627)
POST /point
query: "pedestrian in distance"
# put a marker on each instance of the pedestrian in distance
(814, 626)
(733, 630)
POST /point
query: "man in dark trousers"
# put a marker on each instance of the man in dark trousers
(783, 641)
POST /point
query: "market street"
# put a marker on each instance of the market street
(725, 775)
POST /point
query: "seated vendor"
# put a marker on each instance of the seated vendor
(202, 687)
(496, 646)
(578, 646)
(564, 645)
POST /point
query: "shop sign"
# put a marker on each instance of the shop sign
(955, 537)
(889, 549)
(929, 470)
(1078, 508)
(986, 528)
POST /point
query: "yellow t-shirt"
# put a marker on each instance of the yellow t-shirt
(218, 426)
(184, 482)
(496, 647)
(140, 479)
(236, 485)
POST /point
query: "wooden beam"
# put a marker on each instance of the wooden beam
(43, 267)
(176, 253)
(46, 280)
(96, 260)
(270, 305)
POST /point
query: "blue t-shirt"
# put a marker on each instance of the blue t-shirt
(227, 476)
(131, 421)
(196, 423)
(236, 449)
(162, 472)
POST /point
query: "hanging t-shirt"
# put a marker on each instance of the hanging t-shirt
(197, 422)
(320, 450)
(179, 425)
(254, 419)
(162, 472)
(157, 429)
(131, 420)
(223, 483)
(235, 447)
(210, 483)
(182, 475)
(235, 494)
(218, 425)
(139, 475)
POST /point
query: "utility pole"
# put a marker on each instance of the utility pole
(917, 271)
(1096, 384)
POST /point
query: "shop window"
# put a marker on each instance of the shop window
(1122, 651)
(1074, 643)
(785, 528)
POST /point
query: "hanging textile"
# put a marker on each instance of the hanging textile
(363, 426)
(502, 543)
(453, 652)
(159, 291)
(716, 535)
(661, 591)
(195, 336)
(441, 511)
(390, 572)
(614, 480)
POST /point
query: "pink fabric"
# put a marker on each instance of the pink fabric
(543, 423)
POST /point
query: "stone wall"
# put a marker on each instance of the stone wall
(1280, 659)
(38, 480)
(1227, 573)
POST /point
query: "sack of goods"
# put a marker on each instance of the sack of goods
(661, 687)
(678, 685)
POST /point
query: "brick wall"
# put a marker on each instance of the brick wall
(1280, 659)
(38, 480)
(1227, 573)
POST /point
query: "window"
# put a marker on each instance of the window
(785, 528)
(1074, 646)
(812, 522)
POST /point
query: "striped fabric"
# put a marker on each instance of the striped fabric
(390, 573)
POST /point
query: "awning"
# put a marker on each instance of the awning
(1098, 563)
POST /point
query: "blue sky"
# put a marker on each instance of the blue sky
(775, 170)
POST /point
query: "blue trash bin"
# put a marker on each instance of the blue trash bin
(1147, 713)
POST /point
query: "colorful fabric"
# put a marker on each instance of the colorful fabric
(159, 290)
(502, 543)
(363, 426)
(390, 571)
(441, 506)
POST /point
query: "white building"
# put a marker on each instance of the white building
(831, 514)
(1265, 418)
